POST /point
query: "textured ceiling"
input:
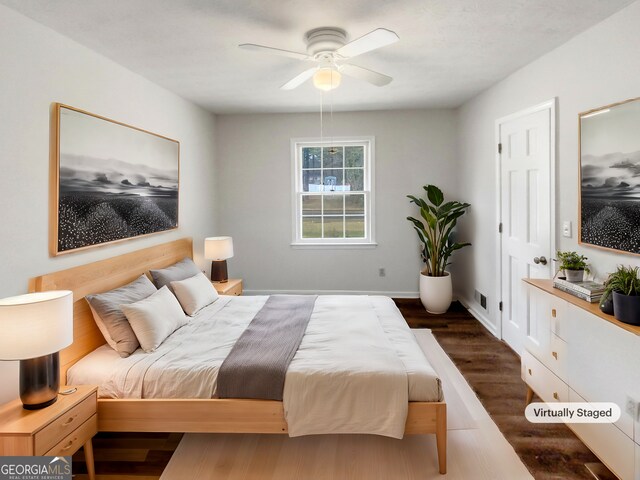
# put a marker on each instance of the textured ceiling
(449, 50)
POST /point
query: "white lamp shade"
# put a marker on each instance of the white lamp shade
(218, 248)
(35, 324)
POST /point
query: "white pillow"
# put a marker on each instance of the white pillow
(194, 293)
(155, 318)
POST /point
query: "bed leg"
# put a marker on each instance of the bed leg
(529, 396)
(441, 437)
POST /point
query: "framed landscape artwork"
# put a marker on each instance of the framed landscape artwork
(111, 181)
(610, 177)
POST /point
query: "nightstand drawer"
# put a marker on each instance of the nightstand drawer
(66, 423)
(76, 439)
(235, 290)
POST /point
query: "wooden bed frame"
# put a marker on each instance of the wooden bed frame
(183, 415)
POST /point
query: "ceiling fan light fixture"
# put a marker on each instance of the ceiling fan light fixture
(326, 79)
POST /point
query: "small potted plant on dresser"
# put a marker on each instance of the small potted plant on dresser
(624, 285)
(435, 231)
(573, 264)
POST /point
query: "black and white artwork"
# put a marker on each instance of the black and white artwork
(115, 182)
(610, 177)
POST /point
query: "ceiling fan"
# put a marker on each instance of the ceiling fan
(328, 48)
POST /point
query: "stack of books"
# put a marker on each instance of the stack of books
(589, 291)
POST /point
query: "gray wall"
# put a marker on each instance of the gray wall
(254, 198)
(39, 67)
(596, 68)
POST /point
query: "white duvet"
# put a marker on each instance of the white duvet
(357, 367)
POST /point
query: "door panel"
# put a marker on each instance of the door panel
(525, 170)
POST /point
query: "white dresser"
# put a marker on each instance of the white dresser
(574, 352)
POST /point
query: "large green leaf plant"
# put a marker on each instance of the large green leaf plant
(435, 229)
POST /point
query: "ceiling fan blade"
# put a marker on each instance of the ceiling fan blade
(274, 51)
(380, 37)
(299, 79)
(375, 78)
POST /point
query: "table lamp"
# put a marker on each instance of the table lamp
(218, 249)
(33, 329)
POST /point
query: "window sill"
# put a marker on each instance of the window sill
(334, 246)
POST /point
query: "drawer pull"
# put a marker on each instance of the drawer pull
(69, 422)
(553, 312)
(70, 444)
(530, 372)
(555, 395)
(555, 355)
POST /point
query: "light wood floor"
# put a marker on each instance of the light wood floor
(476, 448)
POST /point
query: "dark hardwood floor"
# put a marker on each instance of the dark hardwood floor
(489, 366)
(492, 369)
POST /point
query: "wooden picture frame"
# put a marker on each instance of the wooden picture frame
(109, 181)
(609, 177)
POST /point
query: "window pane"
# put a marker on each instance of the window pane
(311, 204)
(333, 205)
(333, 227)
(333, 180)
(354, 204)
(311, 227)
(354, 156)
(332, 157)
(354, 227)
(311, 157)
(354, 178)
(311, 181)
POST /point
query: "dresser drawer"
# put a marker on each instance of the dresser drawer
(558, 357)
(558, 314)
(612, 447)
(76, 439)
(543, 381)
(66, 423)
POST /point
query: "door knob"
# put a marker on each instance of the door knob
(540, 260)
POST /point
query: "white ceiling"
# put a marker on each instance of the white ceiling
(449, 50)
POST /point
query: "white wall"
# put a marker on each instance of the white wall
(254, 204)
(38, 67)
(598, 67)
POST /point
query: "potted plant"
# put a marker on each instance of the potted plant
(624, 283)
(435, 232)
(573, 264)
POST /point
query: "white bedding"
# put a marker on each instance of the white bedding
(357, 367)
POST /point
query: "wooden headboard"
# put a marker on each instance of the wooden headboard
(99, 277)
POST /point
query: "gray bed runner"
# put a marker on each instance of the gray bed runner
(258, 362)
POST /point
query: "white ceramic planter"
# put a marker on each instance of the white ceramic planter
(436, 293)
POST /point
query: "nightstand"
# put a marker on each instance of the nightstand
(233, 286)
(58, 430)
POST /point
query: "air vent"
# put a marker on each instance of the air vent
(481, 299)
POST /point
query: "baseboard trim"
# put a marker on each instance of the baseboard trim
(332, 292)
(480, 316)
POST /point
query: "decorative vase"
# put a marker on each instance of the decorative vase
(606, 304)
(436, 293)
(574, 275)
(626, 308)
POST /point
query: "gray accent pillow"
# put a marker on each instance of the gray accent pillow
(178, 271)
(111, 319)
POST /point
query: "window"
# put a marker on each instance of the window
(333, 198)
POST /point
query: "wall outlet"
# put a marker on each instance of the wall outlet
(566, 229)
(382, 272)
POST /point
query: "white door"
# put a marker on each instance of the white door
(526, 154)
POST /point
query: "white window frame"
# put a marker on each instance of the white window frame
(297, 144)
